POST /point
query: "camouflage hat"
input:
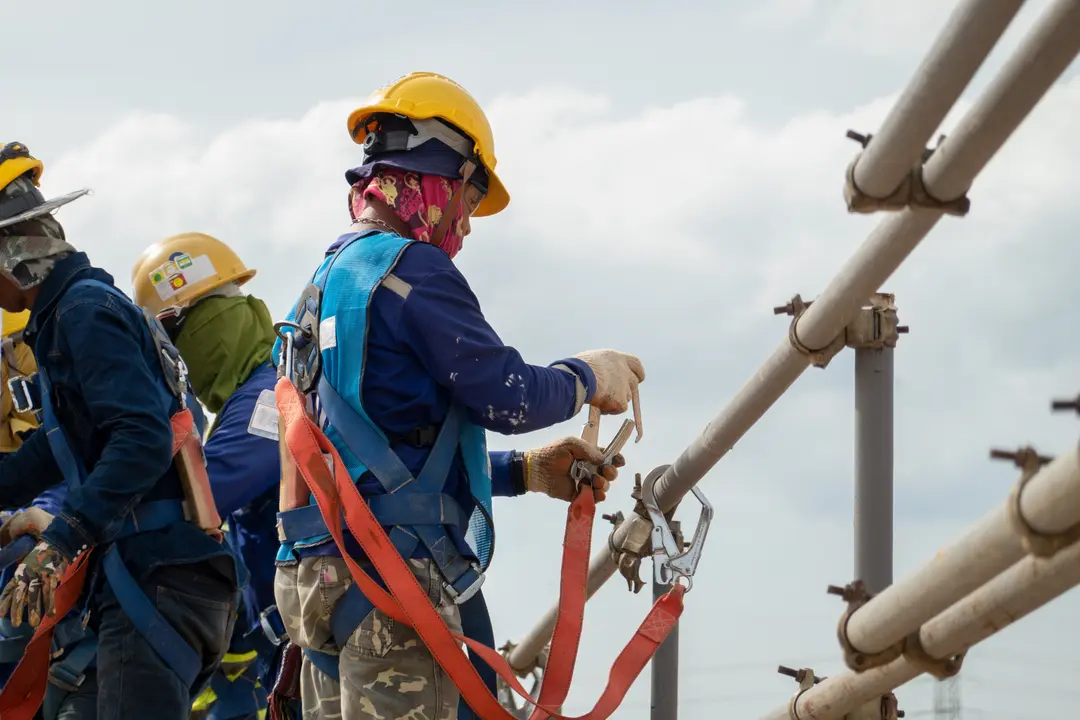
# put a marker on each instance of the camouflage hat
(27, 260)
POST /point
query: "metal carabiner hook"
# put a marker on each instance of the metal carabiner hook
(672, 560)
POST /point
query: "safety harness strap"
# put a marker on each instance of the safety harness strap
(364, 441)
(408, 603)
(240, 697)
(25, 690)
(406, 509)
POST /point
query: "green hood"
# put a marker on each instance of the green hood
(222, 340)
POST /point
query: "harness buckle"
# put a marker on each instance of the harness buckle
(673, 558)
(460, 598)
(64, 679)
(267, 624)
(22, 398)
(301, 358)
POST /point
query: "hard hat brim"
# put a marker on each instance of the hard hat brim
(45, 208)
(497, 197)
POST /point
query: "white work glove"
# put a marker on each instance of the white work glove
(617, 377)
(547, 469)
(32, 521)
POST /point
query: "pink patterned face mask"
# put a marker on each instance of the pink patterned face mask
(417, 199)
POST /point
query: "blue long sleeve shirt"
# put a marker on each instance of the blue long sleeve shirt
(244, 466)
(114, 407)
(434, 347)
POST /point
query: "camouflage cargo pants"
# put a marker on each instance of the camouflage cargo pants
(387, 673)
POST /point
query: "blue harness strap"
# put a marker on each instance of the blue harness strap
(415, 509)
(243, 697)
(147, 517)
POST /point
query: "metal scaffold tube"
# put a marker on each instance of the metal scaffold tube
(1015, 593)
(1045, 53)
(969, 35)
(1049, 505)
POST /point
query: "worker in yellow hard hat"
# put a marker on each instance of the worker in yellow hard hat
(395, 352)
(18, 362)
(21, 200)
(192, 283)
(121, 431)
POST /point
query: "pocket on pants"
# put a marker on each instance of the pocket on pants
(378, 634)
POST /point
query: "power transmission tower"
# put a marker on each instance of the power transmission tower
(947, 699)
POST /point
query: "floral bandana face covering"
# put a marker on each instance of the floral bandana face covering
(417, 199)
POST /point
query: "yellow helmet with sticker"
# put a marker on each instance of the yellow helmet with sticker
(177, 271)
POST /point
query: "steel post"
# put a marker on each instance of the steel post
(874, 467)
(665, 663)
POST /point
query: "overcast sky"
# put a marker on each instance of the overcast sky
(675, 173)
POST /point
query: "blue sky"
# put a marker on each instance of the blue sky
(674, 174)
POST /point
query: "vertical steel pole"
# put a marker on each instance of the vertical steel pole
(874, 467)
(665, 663)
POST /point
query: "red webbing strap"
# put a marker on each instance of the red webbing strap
(183, 425)
(334, 490)
(573, 581)
(25, 689)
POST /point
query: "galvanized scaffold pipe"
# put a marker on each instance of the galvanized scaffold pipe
(947, 175)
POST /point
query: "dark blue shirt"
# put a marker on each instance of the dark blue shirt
(435, 347)
(110, 397)
(244, 470)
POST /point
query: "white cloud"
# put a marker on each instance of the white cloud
(671, 233)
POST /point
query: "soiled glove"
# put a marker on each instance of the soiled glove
(33, 588)
(31, 521)
(547, 469)
(617, 377)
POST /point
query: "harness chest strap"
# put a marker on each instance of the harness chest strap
(334, 491)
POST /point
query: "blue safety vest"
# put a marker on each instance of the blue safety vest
(415, 508)
(149, 516)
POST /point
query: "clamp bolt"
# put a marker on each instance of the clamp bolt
(1073, 404)
(798, 675)
(1020, 457)
(863, 140)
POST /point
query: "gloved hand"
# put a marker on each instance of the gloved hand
(617, 377)
(33, 587)
(32, 520)
(547, 469)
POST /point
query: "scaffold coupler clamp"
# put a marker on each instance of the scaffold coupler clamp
(1038, 543)
(806, 679)
(856, 595)
(507, 697)
(881, 708)
(875, 326)
(674, 559)
(818, 357)
(911, 192)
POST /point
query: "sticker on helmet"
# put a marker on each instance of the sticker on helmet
(180, 271)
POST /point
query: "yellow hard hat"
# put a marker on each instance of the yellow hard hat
(425, 95)
(20, 177)
(178, 270)
(16, 161)
(14, 322)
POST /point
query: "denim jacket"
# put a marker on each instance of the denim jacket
(111, 399)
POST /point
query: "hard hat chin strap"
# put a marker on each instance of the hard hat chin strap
(453, 206)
